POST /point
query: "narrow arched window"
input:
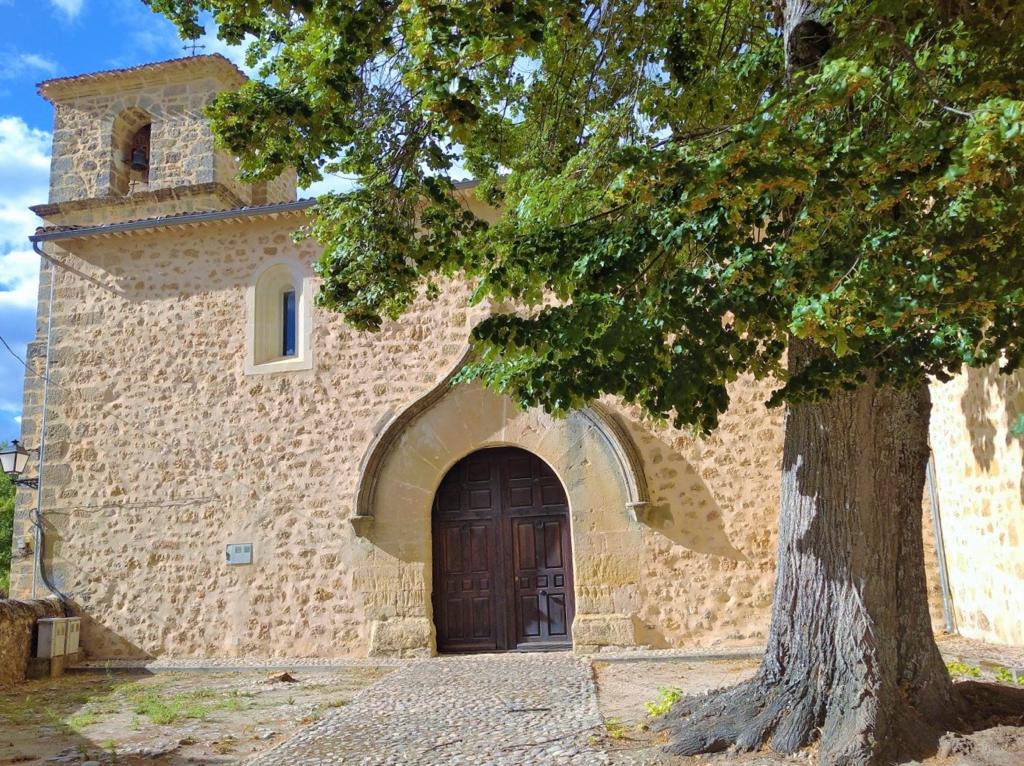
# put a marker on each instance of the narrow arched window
(279, 316)
(289, 321)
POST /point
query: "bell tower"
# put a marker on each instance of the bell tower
(140, 135)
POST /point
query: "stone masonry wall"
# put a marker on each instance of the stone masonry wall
(16, 621)
(162, 451)
(980, 476)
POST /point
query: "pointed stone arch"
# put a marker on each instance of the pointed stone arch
(591, 453)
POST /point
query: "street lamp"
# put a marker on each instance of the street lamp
(13, 462)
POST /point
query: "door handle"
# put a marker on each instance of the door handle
(543, 593)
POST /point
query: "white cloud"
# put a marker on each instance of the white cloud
(154, 36)
(24, 179)
(19, 278)
(234, 53)
(332, 182)
(10, 408)
(35, 61)
(70, 8)
(15, 64)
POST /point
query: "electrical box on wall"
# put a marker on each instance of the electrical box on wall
(239, 553)
(73, 633)
(51, 637)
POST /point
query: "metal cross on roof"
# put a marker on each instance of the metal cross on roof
(191, 46)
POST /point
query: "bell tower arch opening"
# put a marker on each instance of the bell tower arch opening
(130, 139)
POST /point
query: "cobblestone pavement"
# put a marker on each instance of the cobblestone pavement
(536, 709)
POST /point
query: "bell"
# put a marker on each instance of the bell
(139, 160)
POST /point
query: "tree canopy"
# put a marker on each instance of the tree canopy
(676, 207)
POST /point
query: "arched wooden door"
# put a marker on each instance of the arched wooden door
(502, 555)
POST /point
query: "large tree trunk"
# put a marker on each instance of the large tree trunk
(851, 656)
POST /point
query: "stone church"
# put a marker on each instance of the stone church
(227, 470)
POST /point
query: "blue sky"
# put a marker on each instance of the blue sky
(41, 39)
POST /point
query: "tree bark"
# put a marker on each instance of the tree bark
(851, 656)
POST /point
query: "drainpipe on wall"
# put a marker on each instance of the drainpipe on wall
(940, 548)
(38, 570)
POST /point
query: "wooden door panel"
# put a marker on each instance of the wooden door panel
(529, 615)
(525, 548)
(468, 607)
(539, 561)
(556, 615)
(553, 554)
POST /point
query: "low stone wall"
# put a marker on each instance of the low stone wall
(16, 621)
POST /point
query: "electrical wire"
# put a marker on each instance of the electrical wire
(15, 355)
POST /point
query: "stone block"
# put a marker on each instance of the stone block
(592, 632)
(402, 637)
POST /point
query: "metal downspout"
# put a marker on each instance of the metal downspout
(940, 548)
(38, 571)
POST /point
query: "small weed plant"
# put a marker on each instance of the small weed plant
(615, 728)
(1007, 676)
(963, 670)
(81, 720)
(663, 702)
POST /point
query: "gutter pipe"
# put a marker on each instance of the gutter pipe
(940, 548)
(39, 566)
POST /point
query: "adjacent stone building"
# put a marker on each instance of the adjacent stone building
(229, 470)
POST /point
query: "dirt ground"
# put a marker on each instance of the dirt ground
(170, 718)
(627, 689)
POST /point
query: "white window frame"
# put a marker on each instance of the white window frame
(264, 320)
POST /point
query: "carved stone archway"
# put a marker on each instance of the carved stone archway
(590, 452)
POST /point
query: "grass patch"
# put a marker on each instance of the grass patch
(81, 720)
(1007, 676)
(17, 711)
(162, 708)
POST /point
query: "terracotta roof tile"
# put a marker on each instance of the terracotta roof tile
(174, 63)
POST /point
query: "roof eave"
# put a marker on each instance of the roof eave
(175, 220)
